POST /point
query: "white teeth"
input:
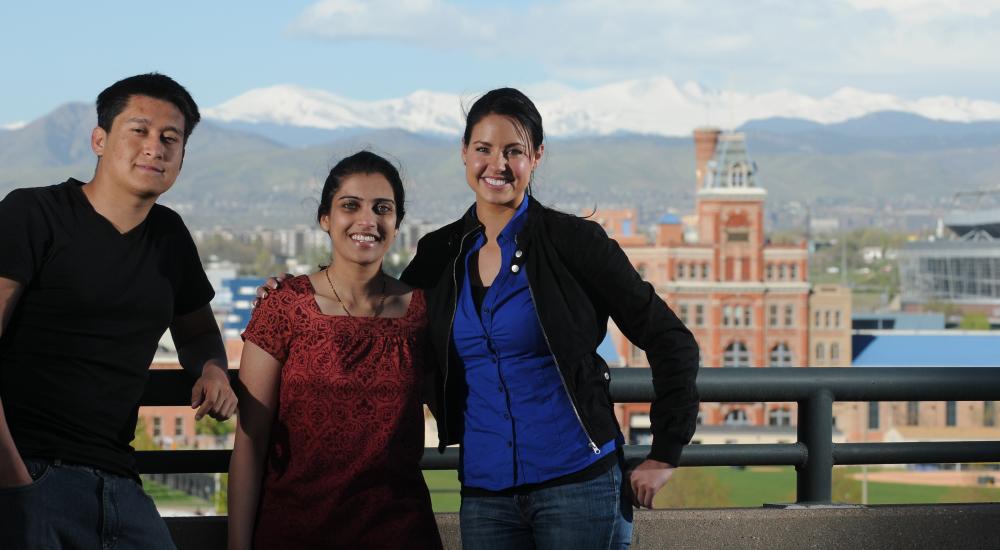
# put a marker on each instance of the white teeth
(495, 182)
(364, 238)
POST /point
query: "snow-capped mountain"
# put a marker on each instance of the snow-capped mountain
(656, 106)
(419, 112)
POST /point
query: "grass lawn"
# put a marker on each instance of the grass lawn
(444, 488)
(725, 487)
(165, 497)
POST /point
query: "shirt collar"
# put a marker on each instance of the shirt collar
(516, 223)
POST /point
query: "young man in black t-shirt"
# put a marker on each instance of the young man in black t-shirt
(91, 275)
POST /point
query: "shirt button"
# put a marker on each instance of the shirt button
(607, 376)
(515, 268)
(518, 253)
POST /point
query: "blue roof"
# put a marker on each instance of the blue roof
(669, 219)
(926, 350)
(608, 351)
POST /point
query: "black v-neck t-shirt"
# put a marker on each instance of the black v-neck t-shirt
(75, 356)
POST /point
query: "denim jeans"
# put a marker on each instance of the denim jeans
(584, 515)
(71, 506)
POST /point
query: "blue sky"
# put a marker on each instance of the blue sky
(59, 51)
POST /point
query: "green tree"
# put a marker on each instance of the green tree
(974, 321)
(142, 440)
(264, 265)
(209, 426)
(222, 495)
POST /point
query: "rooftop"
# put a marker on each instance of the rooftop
(926, 349)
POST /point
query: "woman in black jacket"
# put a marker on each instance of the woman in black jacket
(519, 297)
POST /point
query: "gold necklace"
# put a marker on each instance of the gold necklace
(381, 302)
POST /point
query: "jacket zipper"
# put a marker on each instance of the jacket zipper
(451, 326)
(593, 447)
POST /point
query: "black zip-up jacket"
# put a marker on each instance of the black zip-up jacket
(578, 277)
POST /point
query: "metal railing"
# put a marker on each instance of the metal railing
(814, 389)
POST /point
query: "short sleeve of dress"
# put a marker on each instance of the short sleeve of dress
(26, 236)
(270, 324)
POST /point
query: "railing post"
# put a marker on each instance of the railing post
(815, 431)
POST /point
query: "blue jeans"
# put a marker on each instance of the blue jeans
(71, 506)
(588, 514)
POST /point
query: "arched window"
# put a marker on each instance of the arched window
(781, 356)
(737, 417)
(820, 352)
(834, 351)
(779, 417)
(736, 355)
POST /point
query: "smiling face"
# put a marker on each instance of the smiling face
(362, 219)
(143, 152)
(499, 161)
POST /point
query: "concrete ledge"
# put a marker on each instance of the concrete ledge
(953, 526)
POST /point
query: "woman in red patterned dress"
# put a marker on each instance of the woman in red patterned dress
(330, 428)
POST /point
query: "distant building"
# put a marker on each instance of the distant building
(921, 420)
(242, 291)
(748, 302)
(964, 271)
(896, 320)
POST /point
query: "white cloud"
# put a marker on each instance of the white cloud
(812, 46)
(13, 125)
(431, 22)
(921, 11)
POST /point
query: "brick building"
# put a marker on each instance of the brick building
(747, 301)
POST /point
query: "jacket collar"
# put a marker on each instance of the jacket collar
(529, 209)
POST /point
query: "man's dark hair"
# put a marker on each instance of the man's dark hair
(112, 101)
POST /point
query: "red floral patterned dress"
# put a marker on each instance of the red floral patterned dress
(343, 463)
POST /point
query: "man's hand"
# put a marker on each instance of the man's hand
(271, 283)
(646, 479)
(212, 394)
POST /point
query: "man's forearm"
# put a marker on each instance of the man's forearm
(202, 351)
(13, 473)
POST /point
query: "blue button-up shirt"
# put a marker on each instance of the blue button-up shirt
(520, 426)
